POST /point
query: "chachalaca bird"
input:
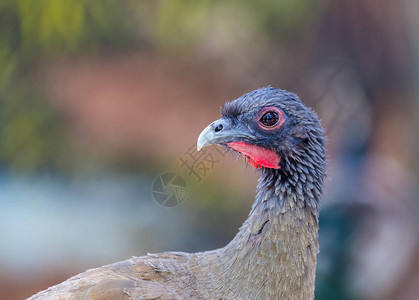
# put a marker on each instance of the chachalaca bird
(273, 256)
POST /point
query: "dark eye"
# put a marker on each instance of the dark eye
(269, 119)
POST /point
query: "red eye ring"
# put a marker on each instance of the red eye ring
(276, 113)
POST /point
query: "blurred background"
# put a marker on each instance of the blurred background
(97, 98)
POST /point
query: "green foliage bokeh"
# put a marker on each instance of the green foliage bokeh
(32, 134)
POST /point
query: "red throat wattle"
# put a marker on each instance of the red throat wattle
(257, 156)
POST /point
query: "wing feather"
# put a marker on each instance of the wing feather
(145, 277)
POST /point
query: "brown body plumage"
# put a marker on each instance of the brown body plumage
(273, 256)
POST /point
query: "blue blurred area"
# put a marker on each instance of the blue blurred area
(45, 219)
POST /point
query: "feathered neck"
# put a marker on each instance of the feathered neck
(299, 181)
(274, 252)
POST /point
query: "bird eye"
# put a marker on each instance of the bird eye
(269, 119)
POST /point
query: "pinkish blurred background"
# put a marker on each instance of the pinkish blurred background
(97, 98)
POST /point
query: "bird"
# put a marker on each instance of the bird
(273, 255)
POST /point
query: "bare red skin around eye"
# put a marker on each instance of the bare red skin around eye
(281, 118)
(258, 155)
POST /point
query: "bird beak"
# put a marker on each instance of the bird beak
(220, 132)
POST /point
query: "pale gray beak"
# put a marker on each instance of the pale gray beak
(221, 132)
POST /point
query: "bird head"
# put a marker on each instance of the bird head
(271, 128)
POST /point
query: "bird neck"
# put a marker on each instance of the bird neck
(274, 252)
